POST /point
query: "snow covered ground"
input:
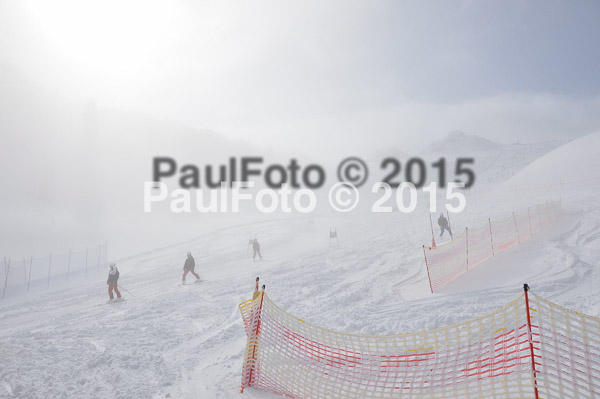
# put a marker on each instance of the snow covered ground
(175, 341)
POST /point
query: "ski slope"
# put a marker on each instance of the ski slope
(170, 341)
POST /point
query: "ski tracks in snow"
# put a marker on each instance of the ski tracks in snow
(188, 342)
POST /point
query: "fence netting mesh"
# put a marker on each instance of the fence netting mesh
(566, 350)
(474, 245)
(487, 357)
(19, 276)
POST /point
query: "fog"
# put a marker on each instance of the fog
(90, 92)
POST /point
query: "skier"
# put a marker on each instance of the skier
(188, 267)
(333, 234)
(256, 248)
(113, 278)
(443, 222)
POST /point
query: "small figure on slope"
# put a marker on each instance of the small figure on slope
(113, 278)
(443, 222)
(188, 267)
(256, 248)
(333, 234)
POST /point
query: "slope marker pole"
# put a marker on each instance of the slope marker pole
(530, 337)
(255, 342)
(491, 237)
(30, 265)
(49, 269)
(467, 245)
(432, 234)
(516, 228)
(7, 270)
(69, 266)
(427, 266)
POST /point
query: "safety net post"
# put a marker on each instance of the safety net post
(6, 271)
(253, 331)
(427, 267)
(530, 338)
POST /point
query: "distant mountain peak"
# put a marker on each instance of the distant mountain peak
(455, 134)
(458, 141)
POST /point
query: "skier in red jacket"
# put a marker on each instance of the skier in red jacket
(113, 278)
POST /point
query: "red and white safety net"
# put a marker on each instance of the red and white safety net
(487, 357)
(447, 262)
(566, 349)
(504, 234)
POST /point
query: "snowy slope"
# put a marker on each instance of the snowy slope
(494, 162)
(187, 342)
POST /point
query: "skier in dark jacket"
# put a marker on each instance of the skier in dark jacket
(188, 267)
(113, 278)
(443, 222)
(256, 248)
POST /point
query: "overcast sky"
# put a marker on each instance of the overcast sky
(325, 78)
(291, 73)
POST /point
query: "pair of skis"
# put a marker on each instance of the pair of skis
(119, 299)
(195, 282)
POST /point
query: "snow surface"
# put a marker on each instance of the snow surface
(175, 341)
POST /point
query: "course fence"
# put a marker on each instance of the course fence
(529, 348)
(472, 246)
(26, 275)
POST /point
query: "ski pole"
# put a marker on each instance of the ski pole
(126, 290)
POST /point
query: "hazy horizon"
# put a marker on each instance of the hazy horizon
(90, 92)
(285, 75)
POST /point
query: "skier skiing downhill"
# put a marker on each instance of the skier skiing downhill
(256, 248)
(113, 278)
(188, 267)
(443, 222)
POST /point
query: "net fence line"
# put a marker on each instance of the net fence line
(472, 246)
(491, 356)
(20, 276)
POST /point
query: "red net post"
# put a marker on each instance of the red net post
(432, 234)
(253, 330)
(530, 337)
(427, 267)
